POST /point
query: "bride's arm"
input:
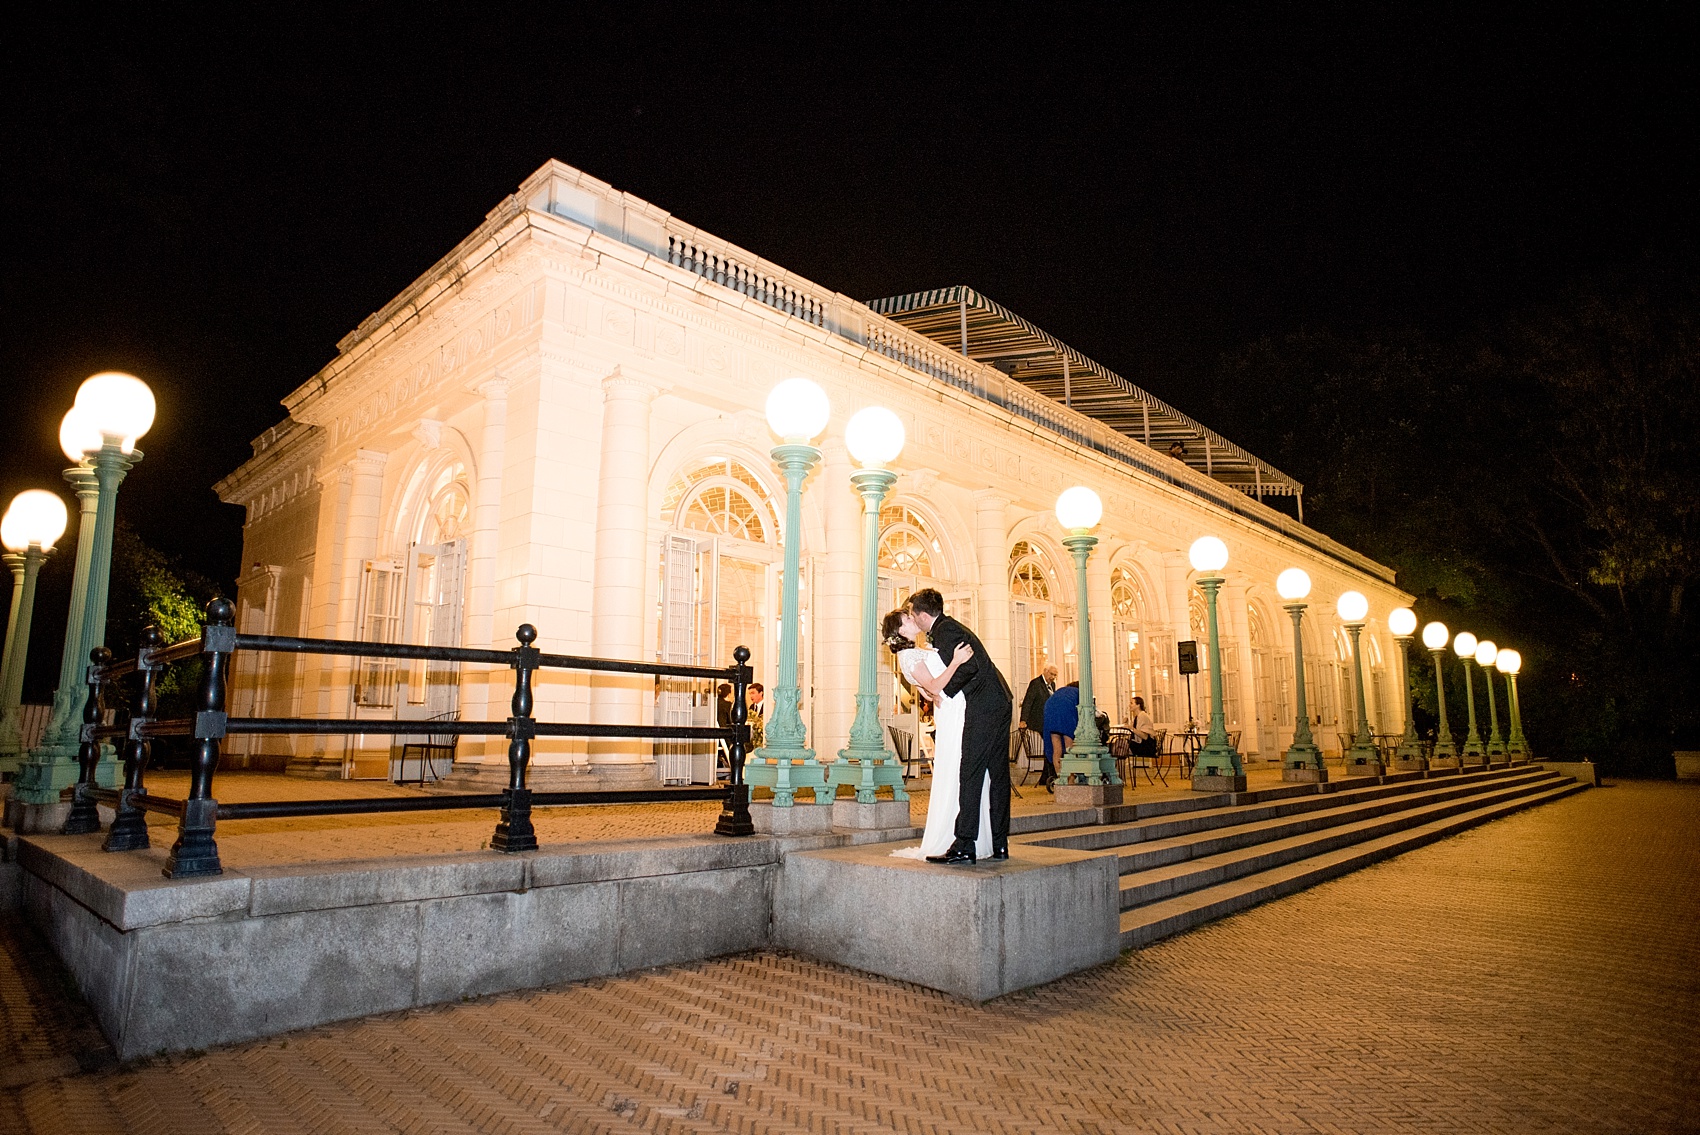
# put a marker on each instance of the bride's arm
(932, 685)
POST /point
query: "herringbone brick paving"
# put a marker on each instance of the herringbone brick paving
(1541, 973)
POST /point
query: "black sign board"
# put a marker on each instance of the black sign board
(1189, 656)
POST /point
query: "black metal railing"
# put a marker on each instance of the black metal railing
(196, 849)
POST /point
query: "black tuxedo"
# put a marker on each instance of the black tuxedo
(985, 732)
(1033, 702)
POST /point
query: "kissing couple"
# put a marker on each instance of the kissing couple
(968, 808)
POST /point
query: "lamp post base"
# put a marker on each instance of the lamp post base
(1087, 795)
(1218, 782)
(1410, 764)
(880, 814)
(770, 819)
(1363, 766)
(1304, 774)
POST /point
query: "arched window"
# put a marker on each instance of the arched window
(1127, 598)
(722, 497)
(1140, 669)
(717, 589)
(907, 543)
(449, 508)
(1030, 572)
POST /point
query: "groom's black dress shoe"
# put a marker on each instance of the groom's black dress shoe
(1001, 852)
(954, 855)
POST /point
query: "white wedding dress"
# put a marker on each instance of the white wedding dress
(942, 801)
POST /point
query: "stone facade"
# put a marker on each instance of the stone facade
(561, 423)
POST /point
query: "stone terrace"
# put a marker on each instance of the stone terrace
(1539, 973)
(256, 843)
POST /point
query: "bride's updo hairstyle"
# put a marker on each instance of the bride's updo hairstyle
(894, 638)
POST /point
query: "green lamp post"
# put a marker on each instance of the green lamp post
(1435, 637)
(1086, 775)
(797, 410)
(1218, 767)
(874, 436)
(1510, 663)
(1409, 757)
(1362, 759)
(33, 522)
(1486, 654)
(1464, 646)
(1302, 760)
(112, 411)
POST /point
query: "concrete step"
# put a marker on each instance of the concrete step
(1154, 921)
(1156, 853)
(1220, 811)
(1204, 862)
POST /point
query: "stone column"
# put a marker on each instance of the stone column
(991, 547)
(838, 600)
(365, 488)
(490, 689)
(620, 572)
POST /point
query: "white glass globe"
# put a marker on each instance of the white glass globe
(1402, 621)
(874, 436)
(1293, 584)
(1079, 509)
(1464, 645)
(1208, 554)
(797, 410)
(1352, 606)
(35, 516)
(1508, 662)
(1435, 636)
(1486, 652)
(77, 438)
(117, 405)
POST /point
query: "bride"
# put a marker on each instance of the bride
(927, 672)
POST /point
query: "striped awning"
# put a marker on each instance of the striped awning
(965, 321)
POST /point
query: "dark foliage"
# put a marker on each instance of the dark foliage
(1536, 482)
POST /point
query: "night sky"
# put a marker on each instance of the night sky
(212, 205)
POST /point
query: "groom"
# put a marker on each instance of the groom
(985, 730)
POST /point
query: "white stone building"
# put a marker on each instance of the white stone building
(561, 423)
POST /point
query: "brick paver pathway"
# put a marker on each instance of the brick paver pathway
(1541, 973)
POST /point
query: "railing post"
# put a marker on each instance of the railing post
(85, 815)
(129, 831)
(196, 852)
(514, 831)
(735, 813)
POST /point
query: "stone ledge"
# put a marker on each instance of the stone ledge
(129, 889)
(976, 932)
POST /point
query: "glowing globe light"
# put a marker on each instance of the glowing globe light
(1293, 584)
(1486, 652)
(1208, 554)
(77, 437)
(874, 436)
(35, 516)
(1508, 662)
(1402, 621)
(1352, 606)
(797, 410)
(1464, 645)
(1435, 636)
(117, 405)
(1079, 509)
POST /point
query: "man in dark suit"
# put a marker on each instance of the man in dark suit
(985, 730)
(1039, 691)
